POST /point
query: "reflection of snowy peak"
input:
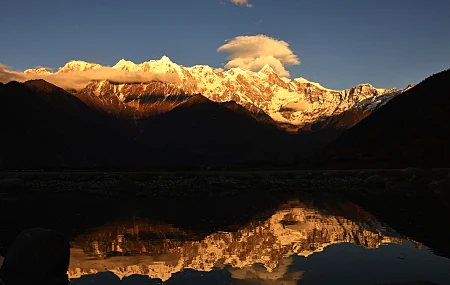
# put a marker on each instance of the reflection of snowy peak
(296, 102)
(297, 230)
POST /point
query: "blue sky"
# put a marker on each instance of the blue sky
(389, 43)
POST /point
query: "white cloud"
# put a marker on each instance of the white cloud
(79, 79)
(4, 67)
(253, 52)
(242, 2)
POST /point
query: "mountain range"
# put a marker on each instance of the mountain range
(43, 126)
(296, 102)
(160, 114)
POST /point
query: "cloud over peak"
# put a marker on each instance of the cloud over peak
(242, 2)
(81, 76)
(253, 52)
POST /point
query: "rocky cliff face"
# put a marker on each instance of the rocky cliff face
(296, 102)
(160, 251)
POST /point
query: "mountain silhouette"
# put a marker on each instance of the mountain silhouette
(204, 132)
(45, 127)
(413, 129)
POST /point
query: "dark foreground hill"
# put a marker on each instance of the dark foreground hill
(45, 127)
(413, 129)
(208, 133)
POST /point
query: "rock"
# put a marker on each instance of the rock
(199, 182)
(434, 184)
(38, 257)
(12, 185)
(376, 180)
(409, 171)
(64, 176)
(361, 174)
(443, 190)
(413, 179)
(142, 194)
(126, 187)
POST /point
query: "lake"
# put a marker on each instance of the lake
(248, 239)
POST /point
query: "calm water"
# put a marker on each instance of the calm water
(296, 243)
(244, 239)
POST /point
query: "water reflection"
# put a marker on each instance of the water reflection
(262, 252)
(258, 274)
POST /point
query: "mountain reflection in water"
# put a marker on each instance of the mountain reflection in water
(263, 250)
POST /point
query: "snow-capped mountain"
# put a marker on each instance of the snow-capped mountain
(296, 102)
(71, 66)
(38, 71)
(294, 230)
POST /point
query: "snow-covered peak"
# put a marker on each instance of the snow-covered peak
(302, 80)
(235, 71)
(286, 79)
(165, 59)
(123, 61)
(297, 102)
(126, 65)
(267, 70)
(78, 65)
(364, 85)
(412, 85)
(368, 88)
(39, 71)
(201, 69)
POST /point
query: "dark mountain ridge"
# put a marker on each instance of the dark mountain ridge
(206, 132)
(45, 127)
(413, 129)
